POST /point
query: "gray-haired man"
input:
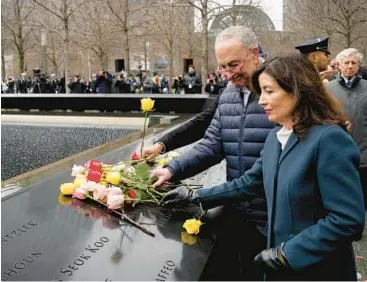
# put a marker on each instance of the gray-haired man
(351, 90)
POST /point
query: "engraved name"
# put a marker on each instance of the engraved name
(19, 231)
(165, 271)
(19, 266)
(83, 258)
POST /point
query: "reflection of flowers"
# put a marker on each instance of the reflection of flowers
(188, 239)
(109, 221)
(192, 226)
(65, 201)
(117, 256)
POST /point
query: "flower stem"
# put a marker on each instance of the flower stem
(142, 141)
(124, 217)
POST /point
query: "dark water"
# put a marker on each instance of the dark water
(27, 147)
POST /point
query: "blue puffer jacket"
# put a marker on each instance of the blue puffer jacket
(236, 133)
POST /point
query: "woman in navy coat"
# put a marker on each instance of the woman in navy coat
(309, 168)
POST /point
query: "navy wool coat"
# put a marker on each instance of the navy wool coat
(314, 198)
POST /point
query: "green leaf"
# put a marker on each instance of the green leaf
(142, 171)
(142, 195)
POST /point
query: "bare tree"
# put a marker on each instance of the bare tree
(340, 19)
(14, 16)
(56, 54)
(188, 31)
(203, 7)
(350, 19)
(130, 15)
(166, 30)
(4, 43)
(207, 10)
(62, 10)
(95, 31)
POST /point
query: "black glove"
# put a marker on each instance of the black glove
(181, 197)
(273, 259)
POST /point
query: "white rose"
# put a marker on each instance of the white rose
(120, 167)
(78, 170)
(130, 170)
(90, 186)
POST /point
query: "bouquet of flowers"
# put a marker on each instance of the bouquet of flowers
(126, 183)
(115, 186)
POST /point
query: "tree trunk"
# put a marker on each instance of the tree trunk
(55, 67)
(145, 53)
(126, 51)
(170, 65)
(20, 39)
(204, 53)
(66, 55)
(21, 62)
(234, 13)
(3, 69)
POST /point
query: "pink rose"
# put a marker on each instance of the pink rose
(99, 192)
(114, 191)
(115, 201)
(79, 193)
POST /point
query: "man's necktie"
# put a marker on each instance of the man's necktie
(348, 83)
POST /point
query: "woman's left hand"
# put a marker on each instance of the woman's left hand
(273, 258)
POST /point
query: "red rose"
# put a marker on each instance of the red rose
(131, 194)
(93, 165)
(94, 176)
(135, 156)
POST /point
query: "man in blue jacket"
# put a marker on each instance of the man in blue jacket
(237, 133)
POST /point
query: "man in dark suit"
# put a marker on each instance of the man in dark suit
(23, 84)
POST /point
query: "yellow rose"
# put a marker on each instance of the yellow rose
(192, 226)
(65, 201)
(104, 183)
(147, 104)
(188, 238)
(67, 188)
(113, 177)
(79, 180)
(162, 162)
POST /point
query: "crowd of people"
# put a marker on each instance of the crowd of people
(293, 132)
(104, 82)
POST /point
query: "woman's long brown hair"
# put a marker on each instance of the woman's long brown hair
(296, 75)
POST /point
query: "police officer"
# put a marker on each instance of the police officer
(316, 50)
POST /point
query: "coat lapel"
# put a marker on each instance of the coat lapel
(292, 141)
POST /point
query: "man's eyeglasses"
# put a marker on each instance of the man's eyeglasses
(230, 69)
